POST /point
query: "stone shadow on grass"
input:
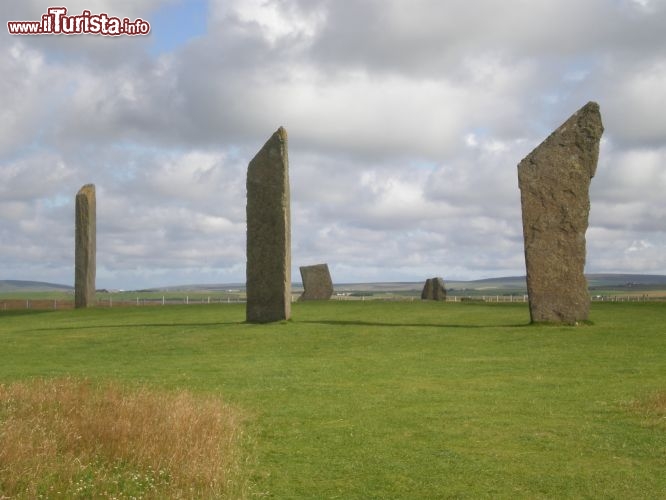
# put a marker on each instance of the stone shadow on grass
(10, 313)
(414, 325)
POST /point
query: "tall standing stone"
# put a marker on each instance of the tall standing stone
(554, 182)
(317, 283)
(433, 289)
(85, 247)
(269, 233)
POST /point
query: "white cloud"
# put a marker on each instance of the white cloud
(23, 92)
(276, 20)
(634, 104)
(33, 177)
(627, 191)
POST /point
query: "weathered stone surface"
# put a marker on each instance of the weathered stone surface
(269, 233)
(554, 181)
(85, 235)
(434, 289)
(317, 282)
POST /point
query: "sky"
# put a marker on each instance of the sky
(406, 120)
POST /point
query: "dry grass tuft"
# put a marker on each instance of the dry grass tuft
(652, 409)
(72, 439)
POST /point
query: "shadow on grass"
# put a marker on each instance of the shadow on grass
(414, 325)
(23, 312)
(267, 325)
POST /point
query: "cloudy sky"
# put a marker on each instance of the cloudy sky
(406, 121)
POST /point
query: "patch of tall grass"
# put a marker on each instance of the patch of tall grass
(70, 438)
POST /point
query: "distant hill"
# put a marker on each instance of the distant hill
(8, 286)
(215, 287)
(514, 284)
(505, 283)
(600, 280)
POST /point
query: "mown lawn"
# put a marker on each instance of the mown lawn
(393, 400)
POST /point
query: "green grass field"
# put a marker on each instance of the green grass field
(393, 400)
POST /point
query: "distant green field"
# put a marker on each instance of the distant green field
(393, 400)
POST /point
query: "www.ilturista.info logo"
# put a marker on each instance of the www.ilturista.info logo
(57, 22)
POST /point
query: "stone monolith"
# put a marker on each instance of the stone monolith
(434, 289)
(268, 268)
(317, 283)
(85, 234)
(554, 181)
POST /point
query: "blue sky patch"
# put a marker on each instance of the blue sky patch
(176, 24)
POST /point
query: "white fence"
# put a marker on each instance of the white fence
(55, 304)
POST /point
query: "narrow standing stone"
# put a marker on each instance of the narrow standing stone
(554, 182)
(434, 289)
(317, 283)
(269, 233)
(85, 247)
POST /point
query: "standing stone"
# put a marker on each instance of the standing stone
(317, 283)
(269, 233)
(85, 247)
(434, 289)
(554, 182)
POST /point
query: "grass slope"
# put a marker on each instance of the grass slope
(394, 400)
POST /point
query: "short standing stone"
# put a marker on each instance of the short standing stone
(434, 289)
(554, 182)
(269, 233)
(317, 283)
(85, 247)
